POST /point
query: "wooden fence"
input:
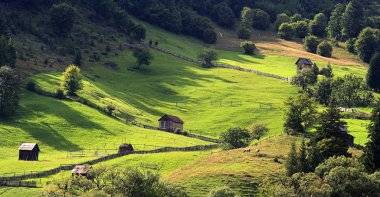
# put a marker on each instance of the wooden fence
(14, 177)
(220, 65)
(18, 183)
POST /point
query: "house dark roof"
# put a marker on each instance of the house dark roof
(304, 61)
(29, 146)
(171, 118)
(81, 169)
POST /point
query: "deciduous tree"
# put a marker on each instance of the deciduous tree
(71, 80)
(9, 91)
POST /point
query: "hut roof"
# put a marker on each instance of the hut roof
(304, 61)
(171, 118)
(81, 169)
(29, 146)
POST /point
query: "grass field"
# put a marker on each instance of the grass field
(20, 191)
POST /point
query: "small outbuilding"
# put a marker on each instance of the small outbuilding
(81, 170)
(125, 148)
(170, 123)
(303, 63)
(28, 152)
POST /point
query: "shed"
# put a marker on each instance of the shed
(170, 123)
(349, 138)
(28, 152)
(81, 170)
(125, 148)
(304, 63)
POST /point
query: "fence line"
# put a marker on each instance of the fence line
(101, 159)
(220, 65)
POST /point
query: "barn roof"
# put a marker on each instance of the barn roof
(29, 146)
(304, 61)
(171, 118)
(81, 169)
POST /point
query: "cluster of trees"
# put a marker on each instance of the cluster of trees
(240, 137)
(9, 91)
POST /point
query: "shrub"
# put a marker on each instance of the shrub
(260, 19)
(185, 133)
(59, 94)
(311, 44)
(258, 130)
(209, 36)
(207, 57)
(31, 86)
(235, 138)
(350, 45)
(325, 49)
(281, 18)
(318, 25)
(62, 17)
(110, 109)
(367, 43)
(301, 29)
(244, 33)
(286, 31)
(143, 57)
(249, 47)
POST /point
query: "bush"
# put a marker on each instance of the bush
(178, 131)
(31, 86)
(249, 47)
(311, 44)
(325, 49)
(235, 138)
(207, 57)
(62, 17)
(350, 45)
(261, 19)
(59, 94)
(281, 18)
(367, 43)
(286, 31)
(301, 29)
(110, 109)
(143, 57)
(318, 25)
(244, 33)
(209, 36)
(258, 130)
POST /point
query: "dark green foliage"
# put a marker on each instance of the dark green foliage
(305, 78)
(143, 57)
(352, 19)
(78, 58)
(296, 17)
(281, 18)
(367, 43)
(286, 31)
(9, 91)
(138, 32)
(244, 33)
(371, 156)
(334, 28)
(59, 94)
(198, 26)
(249, 47)
(300, 113)
(207, 57)
(329, 138)
(301, 29)
(373, 73)
(246, 18)
(4, 29)
(31, 86)
(350, 45)
(8, 55)
(323, 91)
(325, 49)
(62, 17)
(328, 72)
(235, 138)
(302, 163)
(350, 90)
(291, 163)
(260, 19)
(209, 36)
(318, 25)
(311, 44)
(223, 14)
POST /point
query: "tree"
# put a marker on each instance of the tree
(209, 36)
(291, 162)
(311, 44)
(334, 27)
(299, 114)
(325, 49)
(328, 71)
(207, 58)
(367, 43)
(296, 17)
(302, 158)
(244, 33)
(260, 19)
(249, 47)
(8, 55)
(330, 140)
(301, 29)
(352, 19)
(323, 169)
(246, 18)
(373, 73)
(281, 18)
(62, 17)
(143, 57)
(350, 45)
(304, 78)
(235, 138)
(9, 91)
(78, 58)
(138, 32)
(222, 192)
(223, 14)
(371, 156)
(318, 25)
(286, 31)
(71, 80)
(258, 130)
(323, 91)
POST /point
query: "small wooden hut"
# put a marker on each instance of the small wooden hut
(303, 63)
(81, 170)
(170, 123)
(125, 148)
(28, 152)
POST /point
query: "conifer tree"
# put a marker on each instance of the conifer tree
(373, 73)
(291, 163)
(352, 21)
(371, 156)
(302, 162)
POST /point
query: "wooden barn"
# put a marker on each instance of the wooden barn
(170, 123)
(81, 170)
(303, 63)
(28, 152)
